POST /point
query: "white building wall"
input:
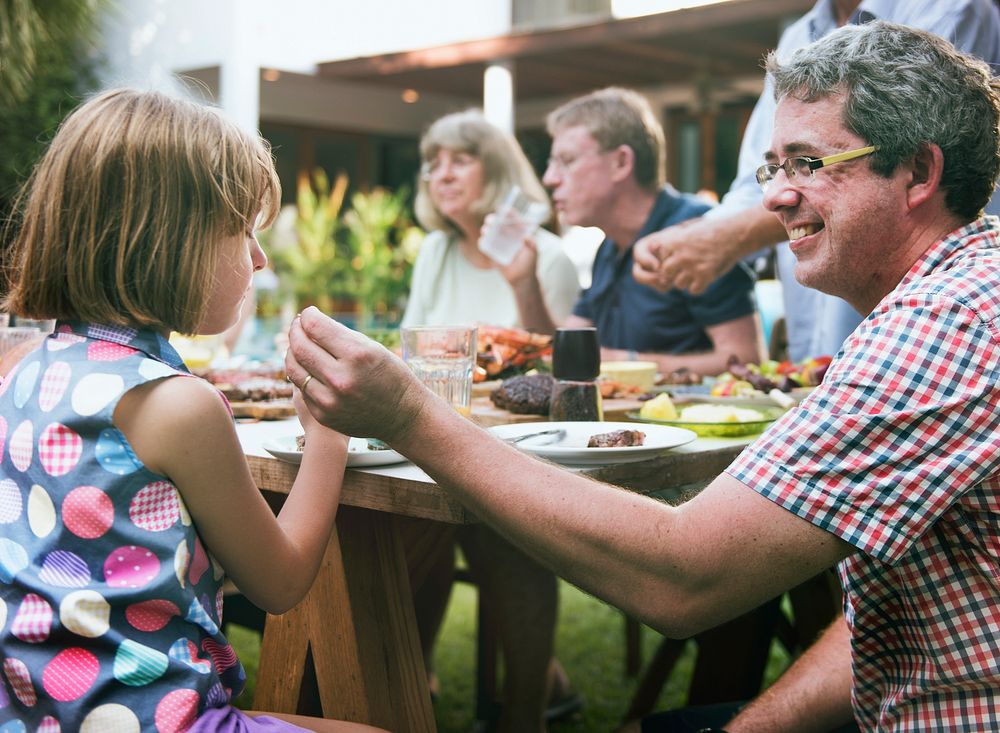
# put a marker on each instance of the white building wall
(148, 42)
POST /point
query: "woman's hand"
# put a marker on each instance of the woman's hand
(522, 269)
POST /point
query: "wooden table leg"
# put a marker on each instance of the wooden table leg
(357, 621)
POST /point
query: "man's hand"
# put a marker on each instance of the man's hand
(688, 255)
(358, 387)
(694, 253)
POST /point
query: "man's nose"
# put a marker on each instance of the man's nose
(780, 193)
(551, 177)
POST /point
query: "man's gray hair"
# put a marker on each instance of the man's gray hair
(905, 88)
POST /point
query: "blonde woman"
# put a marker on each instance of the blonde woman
(469, 165)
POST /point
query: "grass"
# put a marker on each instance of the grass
(590, 643)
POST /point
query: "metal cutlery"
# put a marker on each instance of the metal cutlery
(556, 434)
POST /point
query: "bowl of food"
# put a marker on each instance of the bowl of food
(708, 419)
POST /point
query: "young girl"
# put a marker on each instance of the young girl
(123, 489)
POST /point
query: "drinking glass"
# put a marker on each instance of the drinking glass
(443, 358)
(516, 218)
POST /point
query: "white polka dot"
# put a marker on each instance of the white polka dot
(95, 392)
(41, 512)
(86, 613)
(112, 717)
(153, 369)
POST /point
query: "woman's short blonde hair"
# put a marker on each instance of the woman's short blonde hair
(122, 220)
(503, 161)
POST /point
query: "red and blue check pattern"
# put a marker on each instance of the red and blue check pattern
(898, 453)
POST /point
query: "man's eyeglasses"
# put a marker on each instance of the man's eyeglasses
(800, 170)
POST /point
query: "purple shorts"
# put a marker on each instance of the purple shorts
(233, 720)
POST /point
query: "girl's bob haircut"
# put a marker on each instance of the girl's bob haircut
(123, 219)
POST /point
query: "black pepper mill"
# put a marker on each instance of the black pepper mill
(576, 362)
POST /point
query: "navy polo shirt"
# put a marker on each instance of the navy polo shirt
(629, 315)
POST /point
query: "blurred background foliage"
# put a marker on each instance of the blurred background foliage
(48, 61)
(356, 260)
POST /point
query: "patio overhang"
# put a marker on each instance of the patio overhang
(714, 45)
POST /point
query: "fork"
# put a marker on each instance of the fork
(559, 434)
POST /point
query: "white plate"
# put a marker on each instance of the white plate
(572, 450)
(358, 454)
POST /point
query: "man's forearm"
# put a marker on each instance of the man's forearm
(748, 231)
(813, 696)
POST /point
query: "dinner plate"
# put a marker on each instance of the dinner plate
(358, 454)
(572, 450)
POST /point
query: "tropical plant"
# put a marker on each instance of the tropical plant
(360, 259)
(303, 243)
(46, 63)
(383, 243)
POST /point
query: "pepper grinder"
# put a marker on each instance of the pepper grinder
(576, 362)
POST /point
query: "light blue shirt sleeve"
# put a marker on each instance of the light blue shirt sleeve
(973, 26)
(819, 323)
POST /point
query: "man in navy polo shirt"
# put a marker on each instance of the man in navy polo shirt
(607, 170)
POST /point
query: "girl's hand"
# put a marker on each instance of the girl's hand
(310, 425)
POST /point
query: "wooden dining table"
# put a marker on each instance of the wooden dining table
(350, 649)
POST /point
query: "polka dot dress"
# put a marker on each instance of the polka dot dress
(109, 612)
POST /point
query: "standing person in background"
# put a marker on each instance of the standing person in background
(694, 253)
(469, 165)
(606, 170)
(126, 497)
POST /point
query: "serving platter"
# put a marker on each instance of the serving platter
(727, 429)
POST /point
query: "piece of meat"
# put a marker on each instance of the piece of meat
(527, 395)
(617, 439)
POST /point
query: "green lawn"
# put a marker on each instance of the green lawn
(590, 643)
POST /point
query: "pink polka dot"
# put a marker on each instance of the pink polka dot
(130, 567)
(48, 725)
(20, 681)
(176, 711)
(107, 351)
(88, 512)
(156, 507)
(22, 445)
(223, 657)
(151, 615)
(70, 674)
(53, 387)
(59, 449)
(63, 339)
(199, 563)
(33, 621)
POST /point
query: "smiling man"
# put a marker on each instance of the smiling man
(890, 469)
(606, 171)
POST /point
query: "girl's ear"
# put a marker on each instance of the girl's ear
(926, 168)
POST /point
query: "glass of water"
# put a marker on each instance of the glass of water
(443, 358)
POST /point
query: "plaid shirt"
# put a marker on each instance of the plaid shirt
(897, 453)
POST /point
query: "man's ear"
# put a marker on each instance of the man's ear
(623, 162)
(926, 169)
